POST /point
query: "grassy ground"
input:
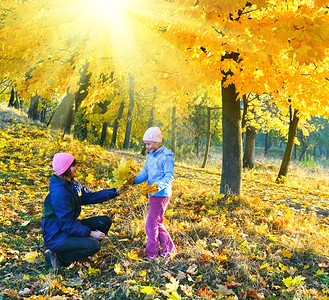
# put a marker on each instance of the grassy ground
(271, 243)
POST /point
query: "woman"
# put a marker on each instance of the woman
(68, 238)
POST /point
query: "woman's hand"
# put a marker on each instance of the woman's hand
(97, 234)
(125, 189)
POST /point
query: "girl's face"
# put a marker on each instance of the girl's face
(152, 146)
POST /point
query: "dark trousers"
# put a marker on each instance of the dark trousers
(77, 248)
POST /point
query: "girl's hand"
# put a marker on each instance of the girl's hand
(97, 234)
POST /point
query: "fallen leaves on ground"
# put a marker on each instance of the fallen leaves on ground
(271, 243)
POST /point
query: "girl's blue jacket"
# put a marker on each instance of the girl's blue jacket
(62, 208)
(159, 168)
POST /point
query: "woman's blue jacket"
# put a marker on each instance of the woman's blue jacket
(62, 208)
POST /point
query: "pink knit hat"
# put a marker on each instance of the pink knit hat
(61, 162)
(153, 134)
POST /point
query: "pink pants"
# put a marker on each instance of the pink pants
(155, 230)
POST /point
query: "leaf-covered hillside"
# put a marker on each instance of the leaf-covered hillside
(270, 244)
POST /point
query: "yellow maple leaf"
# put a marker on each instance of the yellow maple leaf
(287, 281)
(93, 271)
(31, 257)
(173, 285)
(282, 267)
(174, 296)
(148, 290)
(286, 253)
(133, 255)
(117, 269)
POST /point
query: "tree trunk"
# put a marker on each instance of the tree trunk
(17, 102)
(303, 151)
(205, 158)
(295, 152)
(68, 120)
(174, 130)
(266, 144)
(249, 148)
(287, 153)
(231, 179)
(43, 111)
(244, 115)
(116, 125)
(62, 113)
(303, 145)
(196, 145)
(102, 140)
(130, 111)
(12, 98)
(21, 104)
(81, 123)
(33, 109)
(104, 105)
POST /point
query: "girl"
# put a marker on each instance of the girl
(68, 238)
(159, 169)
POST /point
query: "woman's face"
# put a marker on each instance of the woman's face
(152, 146)
(73, 172)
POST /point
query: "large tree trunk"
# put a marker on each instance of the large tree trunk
(231, 180)
(130, 111)
(116, 125)
(81, 123)
(205, 158)
(33, 109)
(68, 120)
(244, 115)
(290, 144)
(62, 113)
(249, 148)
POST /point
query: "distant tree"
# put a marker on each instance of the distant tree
(130, 111)
(116, 124)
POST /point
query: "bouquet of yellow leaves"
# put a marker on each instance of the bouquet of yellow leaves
(124, 174)
(152, 188)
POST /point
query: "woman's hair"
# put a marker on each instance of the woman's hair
(68, 171)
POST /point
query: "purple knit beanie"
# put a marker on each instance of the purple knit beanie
(153, 134)
(61, 162)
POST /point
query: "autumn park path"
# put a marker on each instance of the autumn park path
(313, 200)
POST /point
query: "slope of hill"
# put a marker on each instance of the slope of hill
(272, 243)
